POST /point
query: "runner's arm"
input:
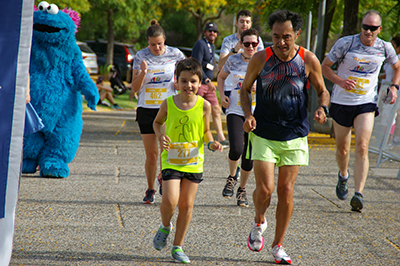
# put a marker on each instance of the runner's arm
(138, 78)
(313, 68)
(207, 136)
(332, 76)
(221, 85)
(395, 80)
(159, 128)
(254, 68)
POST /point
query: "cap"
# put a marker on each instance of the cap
(211, 26)
(99, 80)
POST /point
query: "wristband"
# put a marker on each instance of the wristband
(233, 51)
(209, 146)
(395, 85)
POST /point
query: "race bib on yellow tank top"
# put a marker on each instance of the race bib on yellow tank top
(183, 153)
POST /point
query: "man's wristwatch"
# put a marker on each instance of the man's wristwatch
(233, 50)
(207, 81)
(326, 110)
(395, 85)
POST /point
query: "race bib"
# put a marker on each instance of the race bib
(154, 95)
(360, 86)
(238, 78)
(253, 98)
(157, 83)
(183, 153)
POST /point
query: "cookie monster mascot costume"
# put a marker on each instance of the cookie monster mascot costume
(58, 78)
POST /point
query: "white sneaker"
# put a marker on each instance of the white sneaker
(280, 255)
(105, 103)
(255, 241)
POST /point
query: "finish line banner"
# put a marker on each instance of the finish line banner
(16, 18)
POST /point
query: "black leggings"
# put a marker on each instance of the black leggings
(238, 141)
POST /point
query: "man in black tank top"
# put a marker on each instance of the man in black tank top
(279, 127)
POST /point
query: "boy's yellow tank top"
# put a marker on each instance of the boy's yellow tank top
(185, 128)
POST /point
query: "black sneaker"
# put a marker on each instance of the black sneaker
(241, 197)
(229, 187)
(341, 188)
(357, 202)
(149, 196)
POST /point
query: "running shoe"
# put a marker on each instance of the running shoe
(280, 255)
(229, 187)
(241, 197)
(225, 143)
(357, 202)
(149, 196)
(160, 239)
(178, 255)
(341, 188)
(159, 182)
(117, 107)
(255, 241)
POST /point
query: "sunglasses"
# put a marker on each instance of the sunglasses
(214, 31)
(247, 44)
(369, 27)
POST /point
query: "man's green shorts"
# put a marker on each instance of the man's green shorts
(291, 152)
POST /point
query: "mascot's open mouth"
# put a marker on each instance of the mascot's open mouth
(45, 28)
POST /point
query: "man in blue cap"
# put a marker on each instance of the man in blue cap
(203, 50)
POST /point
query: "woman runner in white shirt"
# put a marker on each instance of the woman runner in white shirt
(153, 78)
(235, 70)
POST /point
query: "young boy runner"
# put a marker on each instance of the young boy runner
(186, 117)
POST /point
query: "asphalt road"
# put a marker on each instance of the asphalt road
(95, 216)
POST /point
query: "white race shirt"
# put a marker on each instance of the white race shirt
(158, 83)
(361, 63)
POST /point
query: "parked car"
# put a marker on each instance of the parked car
(89, 58)
(187, 51)
(124, 54)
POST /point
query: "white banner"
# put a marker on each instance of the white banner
(15, 43)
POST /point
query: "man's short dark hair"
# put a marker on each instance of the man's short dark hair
(190, 64)
(244, 13)
(281, 16)
(249, 32)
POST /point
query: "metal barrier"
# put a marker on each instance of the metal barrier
(386, 127)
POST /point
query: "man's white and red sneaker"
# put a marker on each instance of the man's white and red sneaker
(280, 255)
(255, 241)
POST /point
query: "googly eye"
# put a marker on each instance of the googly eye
(43, 6)
(52, 9)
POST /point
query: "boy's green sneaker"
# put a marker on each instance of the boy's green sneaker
(160, 239)
(178, 255)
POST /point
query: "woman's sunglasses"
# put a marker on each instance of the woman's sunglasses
(247, 44)
(368, 27)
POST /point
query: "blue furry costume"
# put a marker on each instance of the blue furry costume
(58, 78)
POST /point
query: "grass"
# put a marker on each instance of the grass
(122, 100)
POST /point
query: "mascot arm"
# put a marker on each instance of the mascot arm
(86, 86)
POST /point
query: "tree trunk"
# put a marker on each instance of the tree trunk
(110, 38)
(330, 9)
(199, 28)
(350, 19)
